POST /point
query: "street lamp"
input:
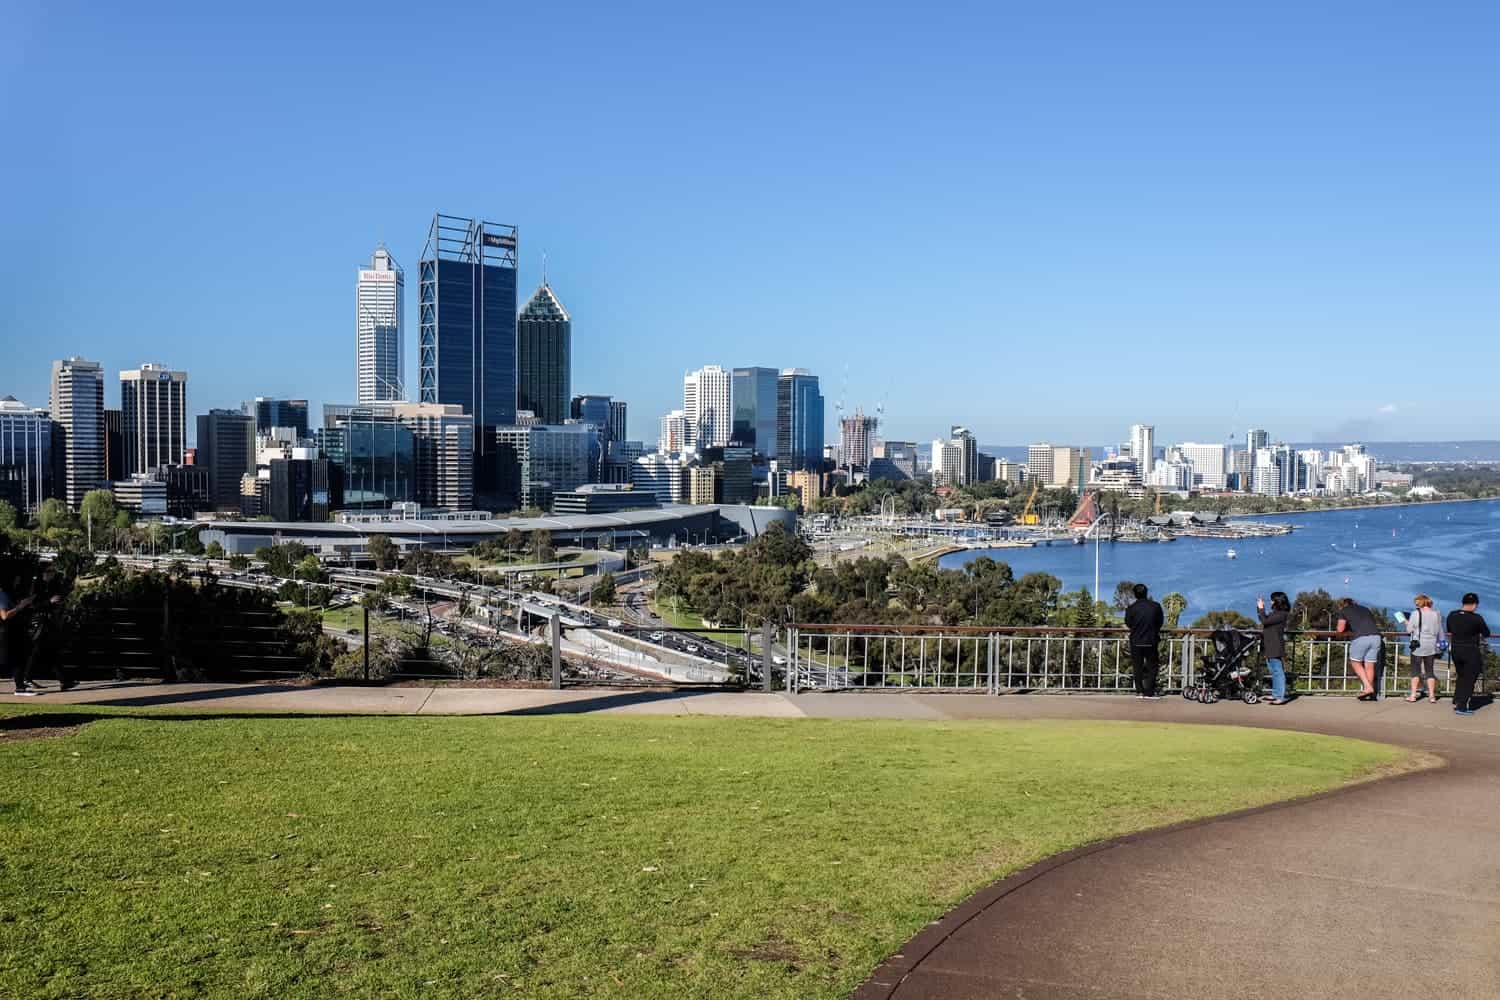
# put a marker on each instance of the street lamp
(1097, 521)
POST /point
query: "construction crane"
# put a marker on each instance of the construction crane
(1027, 517)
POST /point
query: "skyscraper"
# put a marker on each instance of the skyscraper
(753, 396)
(291, 413)
(1143, 447)
(114, 445)
(799, 419)
(226, 448)
(32, 456)
(153, 410)
(1039, 463)
(379, 325)
(1210, 464)
(673, 436)
(467, 342)
(77, 403)
(444, 445)
(544, 357)
(857, 440)
(706, 404)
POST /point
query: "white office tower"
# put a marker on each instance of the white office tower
(378, 324)
(153, 418)
(673, 436)
(1210, 464)
(1143, 447)
(706, 404)
(77, 402)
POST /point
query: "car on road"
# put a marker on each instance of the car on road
(657, 636)
(691, 648)
(613, 623)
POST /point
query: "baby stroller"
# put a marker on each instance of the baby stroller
(1229, 674)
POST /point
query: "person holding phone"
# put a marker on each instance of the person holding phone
(1273, 640)
(1425, 626)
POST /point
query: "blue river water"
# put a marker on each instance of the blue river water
(1381, 557)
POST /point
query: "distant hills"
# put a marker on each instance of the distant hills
(1384, 451)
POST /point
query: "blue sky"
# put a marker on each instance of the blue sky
(1043, 221)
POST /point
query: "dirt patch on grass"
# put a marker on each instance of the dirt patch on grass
(770, 950)
(15, 728)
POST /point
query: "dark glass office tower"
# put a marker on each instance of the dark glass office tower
(467, 338)
(281, 413)
(226, 448)
(544, 357)
(753, 398)
(799, 420)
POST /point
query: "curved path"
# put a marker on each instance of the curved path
(1384, 890)
(1390, 889)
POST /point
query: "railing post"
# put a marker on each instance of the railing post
(367, 642)
(792, 664)
(765, 656)
(556, 633)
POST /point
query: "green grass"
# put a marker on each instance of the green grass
(561, 857)
(353, 616)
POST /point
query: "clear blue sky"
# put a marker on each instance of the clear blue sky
(1040, 220)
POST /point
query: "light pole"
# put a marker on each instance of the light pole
(1092, 531)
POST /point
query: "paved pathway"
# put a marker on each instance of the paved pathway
(1385, 890)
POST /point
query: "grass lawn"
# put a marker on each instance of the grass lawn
(565, 856)
(353, 616)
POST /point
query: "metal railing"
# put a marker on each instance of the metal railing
(1003, 660)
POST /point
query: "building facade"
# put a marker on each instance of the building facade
(799, 419)
(153, 417)
(673, 435)
(544, 357)
(539, 462)
(1143, 447)
(77, 403)
(443, 440)
(467, 342)
(304, 487)
(226, 451)
(706, 404)
(753, 398)
(376, 452)
(33, 456)
(273, 413)
(857, 440)
(379, 330)
(1210, 464)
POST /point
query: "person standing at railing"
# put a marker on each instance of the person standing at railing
(1273, 640)
(1145, 618)
(1364, 647)
(1425, 626)
(11, 612)
(1467, 631)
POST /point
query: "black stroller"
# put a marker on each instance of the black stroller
(1229, 674)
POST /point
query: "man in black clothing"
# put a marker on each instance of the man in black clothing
(11, 612)
(1144, 618)
(1467, 632)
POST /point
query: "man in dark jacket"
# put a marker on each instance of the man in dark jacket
(1144, 618)
(1467, 634)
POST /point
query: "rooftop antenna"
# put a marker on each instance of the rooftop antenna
(544, 268)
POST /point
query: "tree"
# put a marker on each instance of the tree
(541, 546)
(309, 568)
(98, 508)
(382, 551)
(1223, 619)
(1315, 610)
(1124, 594)
(214, 550)
(9, 517)
(54, 515)
(239, 563)
(604, 591)
(1172, 606)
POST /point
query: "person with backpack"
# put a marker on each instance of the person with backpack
(1273, 641)
(1425, 626)
(1467, 632)
(1145, 618)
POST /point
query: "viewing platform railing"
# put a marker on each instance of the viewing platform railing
(1003, 660)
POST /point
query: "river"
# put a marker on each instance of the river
(1379, 556)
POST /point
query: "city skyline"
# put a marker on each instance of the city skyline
(1246, 234)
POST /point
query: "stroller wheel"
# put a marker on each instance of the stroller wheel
(1209, 697)
(1250, 696)
(1189, 694)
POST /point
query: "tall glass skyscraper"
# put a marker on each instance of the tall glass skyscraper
(32, 454)
(379, 326)
(77, 402)
(799, 419)
(282, 413)
(544, 357)
(467, 342)
(753, 391)
(153, 408)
